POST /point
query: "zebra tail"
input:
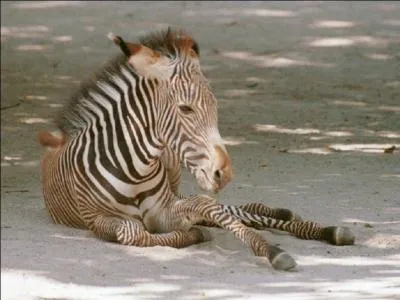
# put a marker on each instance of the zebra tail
(48, 139)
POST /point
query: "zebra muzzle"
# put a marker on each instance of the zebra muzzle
(223, 168)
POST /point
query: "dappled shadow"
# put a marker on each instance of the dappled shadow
(332, 24)
(46, 4)
(332, 147)
(345, 41)
(235, 141)
(299, 76)
(86, 270)
(25, 32)
(268, 61)
(16, 160)
(259, 12)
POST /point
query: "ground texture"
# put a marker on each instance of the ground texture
(309, 97)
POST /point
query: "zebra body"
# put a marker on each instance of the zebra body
(134, 191)
(116, 168)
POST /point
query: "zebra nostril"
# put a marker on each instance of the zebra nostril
(218, 175)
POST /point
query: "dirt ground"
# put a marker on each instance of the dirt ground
(309, 100)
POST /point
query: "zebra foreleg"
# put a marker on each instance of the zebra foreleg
(258, 209)
(133, 232)
(276, 213)
(305, 230)
(207, 208)
(334, 235)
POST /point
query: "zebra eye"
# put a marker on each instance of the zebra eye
(186, 109)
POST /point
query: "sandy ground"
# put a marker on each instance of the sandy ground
(309, 97)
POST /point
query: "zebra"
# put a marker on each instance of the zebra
(115, 168)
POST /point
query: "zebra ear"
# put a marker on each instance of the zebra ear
(146, 61)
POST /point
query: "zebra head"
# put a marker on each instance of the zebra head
(187, 109)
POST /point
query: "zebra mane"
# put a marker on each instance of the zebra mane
(66, 121)
(167, 42)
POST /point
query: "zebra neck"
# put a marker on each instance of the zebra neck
(118, 119)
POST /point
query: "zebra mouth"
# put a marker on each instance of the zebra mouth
(206, 183)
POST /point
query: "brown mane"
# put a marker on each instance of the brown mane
(169, 41)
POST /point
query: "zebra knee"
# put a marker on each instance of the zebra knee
(195, 204)
(286, 215)
(115, 229)
(199, 235)
(130, 233)
(103, 227)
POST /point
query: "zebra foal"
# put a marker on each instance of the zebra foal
(115, 170)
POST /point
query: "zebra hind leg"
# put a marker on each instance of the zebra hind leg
(133, 232)
(305, 230)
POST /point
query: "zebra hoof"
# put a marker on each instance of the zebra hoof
(339, 236)
(280, 260)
